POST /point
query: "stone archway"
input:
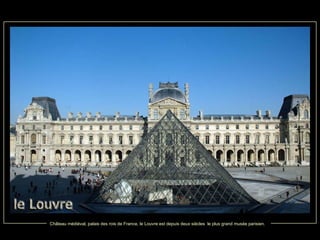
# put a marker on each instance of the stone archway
(261, 156)
(240, 156)
(229, 157)
(67, 157)
(33, 154)
(118, 156)
(219, 154)
(108, 156)
(87, 156)
(77, 157)
(127, 153)
(250, 156)
(271, 156)
(58, 156)
(281, 155)
(98, 156)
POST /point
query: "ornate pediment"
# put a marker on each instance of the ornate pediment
(34, 112)
(169, 102)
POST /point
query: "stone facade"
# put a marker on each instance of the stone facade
(44, 138)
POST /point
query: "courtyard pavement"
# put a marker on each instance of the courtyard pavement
(269, 184)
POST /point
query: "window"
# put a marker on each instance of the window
(62, 127)
(207, 127)
(295, 138)
(306, 114)
(120, 139)
(197, 127)
(90, 127)
(100, 139)
(130, 127)
(90, 139)
(257, 139)
(237, 126)
(71, 139)
(277, 138)
(23, 127)
(110, 127)
(247, 126)
(227, 126)
(207, 139)
(155, 114)
(22, 139)
(227, 139)
(81, 127)
(110, 140)
(217, 126)
(71, 127)
(237, 139)
(130, 140)
(182, 114)
(217, 139)
(81, 139)
(267, 126)
(267, 139)
(61, 139)
(257, 126)
(100, 127)
(34, 117)
(120, 127)
(33, 127)
(44, 126)
(44, 139)
(33, 139)
(307, 125)
(307, 137)
(247, 139)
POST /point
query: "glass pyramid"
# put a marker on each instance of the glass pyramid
(170, 166)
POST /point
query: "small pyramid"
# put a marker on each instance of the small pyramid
(170, 166)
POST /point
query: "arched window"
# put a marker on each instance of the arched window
(33, 139)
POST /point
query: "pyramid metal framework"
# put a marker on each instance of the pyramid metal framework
(170, 166)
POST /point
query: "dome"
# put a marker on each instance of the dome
(163, 93)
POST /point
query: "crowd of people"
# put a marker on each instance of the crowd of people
(54, 183)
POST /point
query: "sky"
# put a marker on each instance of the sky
(230, 70)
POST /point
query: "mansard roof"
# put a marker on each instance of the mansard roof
(289, 104)
(49, 105)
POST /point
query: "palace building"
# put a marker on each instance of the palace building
(44, 138)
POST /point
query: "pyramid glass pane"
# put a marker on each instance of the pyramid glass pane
(170, 166)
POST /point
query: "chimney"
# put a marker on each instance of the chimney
(259, 113)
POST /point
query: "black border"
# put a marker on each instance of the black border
(269, 219)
